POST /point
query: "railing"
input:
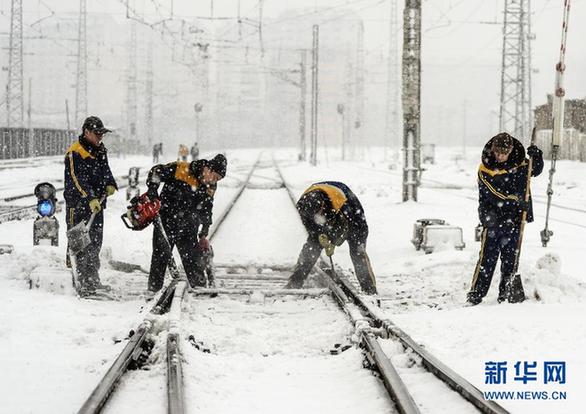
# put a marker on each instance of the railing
(16, 143)
(572, 144)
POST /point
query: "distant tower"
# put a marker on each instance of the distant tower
(131, 92)
(149, 97)
(515, 106)
(15, 85)
(358, 123)
(411, 98)
(81, 79)
(393, 111)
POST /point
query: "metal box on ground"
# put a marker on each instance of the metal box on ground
(428, 234)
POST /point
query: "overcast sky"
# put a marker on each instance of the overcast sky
(461, 49)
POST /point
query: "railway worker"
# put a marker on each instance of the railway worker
(88, 178)
(182, 153)
(332, 214)
(502, 181)
(186, 208)
(194, 152)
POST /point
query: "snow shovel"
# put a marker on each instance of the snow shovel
(515, 291)
(78, 238)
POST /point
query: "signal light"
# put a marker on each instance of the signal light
(46, 225)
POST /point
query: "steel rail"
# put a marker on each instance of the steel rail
(391, 379)
(232, 202)
(430, 362)
(175, 394)
(99, 396)
(175, 400)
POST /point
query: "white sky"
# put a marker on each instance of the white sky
(461, 50)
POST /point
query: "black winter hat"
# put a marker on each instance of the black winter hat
(218, 164)
(94, 124)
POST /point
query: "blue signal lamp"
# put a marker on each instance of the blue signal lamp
(46, 208)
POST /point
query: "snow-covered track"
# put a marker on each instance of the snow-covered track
(130, 354)
(169, 301)
(372, 323)
(388, 329)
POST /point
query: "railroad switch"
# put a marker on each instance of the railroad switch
(198, 345)
(339, 348)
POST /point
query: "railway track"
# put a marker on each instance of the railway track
(228, 327)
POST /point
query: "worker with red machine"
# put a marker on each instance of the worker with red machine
(186, 202)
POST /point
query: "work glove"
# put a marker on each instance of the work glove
(110, 189)
(204, 244)
(95, 205)
(534, 152)
(328, 246)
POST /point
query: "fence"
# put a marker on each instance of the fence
(572, 144)
(17, 143)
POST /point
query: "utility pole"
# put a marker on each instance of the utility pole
(392, 125)
(464, 105)
(349, 109)
(149, 97)
(314, 94)
(67, 115)
(411, 98)
(15, 85)
(31, 142)
(358, 126)
(341, 111)
(515, 106)
(131, 95)
(303, 88)
(81, 78)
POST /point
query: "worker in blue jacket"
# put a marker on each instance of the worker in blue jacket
(502, 182)
(88, 178)
(332, 214)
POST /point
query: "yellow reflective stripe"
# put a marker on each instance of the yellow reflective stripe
(77, 147)
(71, 212)
(74, 177)
(496, 193)
(479, 264)
(183, 173)
(492, 173)
(336, 196)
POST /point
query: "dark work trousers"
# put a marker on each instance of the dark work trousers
(88, 260)
(310, 253)
(498, 240)
(187, 245)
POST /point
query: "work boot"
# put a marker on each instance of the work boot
(102, 287)
(473, 300)
(293, 284)
(150, 295)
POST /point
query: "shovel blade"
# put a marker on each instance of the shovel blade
(78, 237)
(516, 292)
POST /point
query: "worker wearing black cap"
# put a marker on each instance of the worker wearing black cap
(186, 213)
(88, 178)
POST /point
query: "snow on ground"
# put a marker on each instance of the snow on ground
(423, 294)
